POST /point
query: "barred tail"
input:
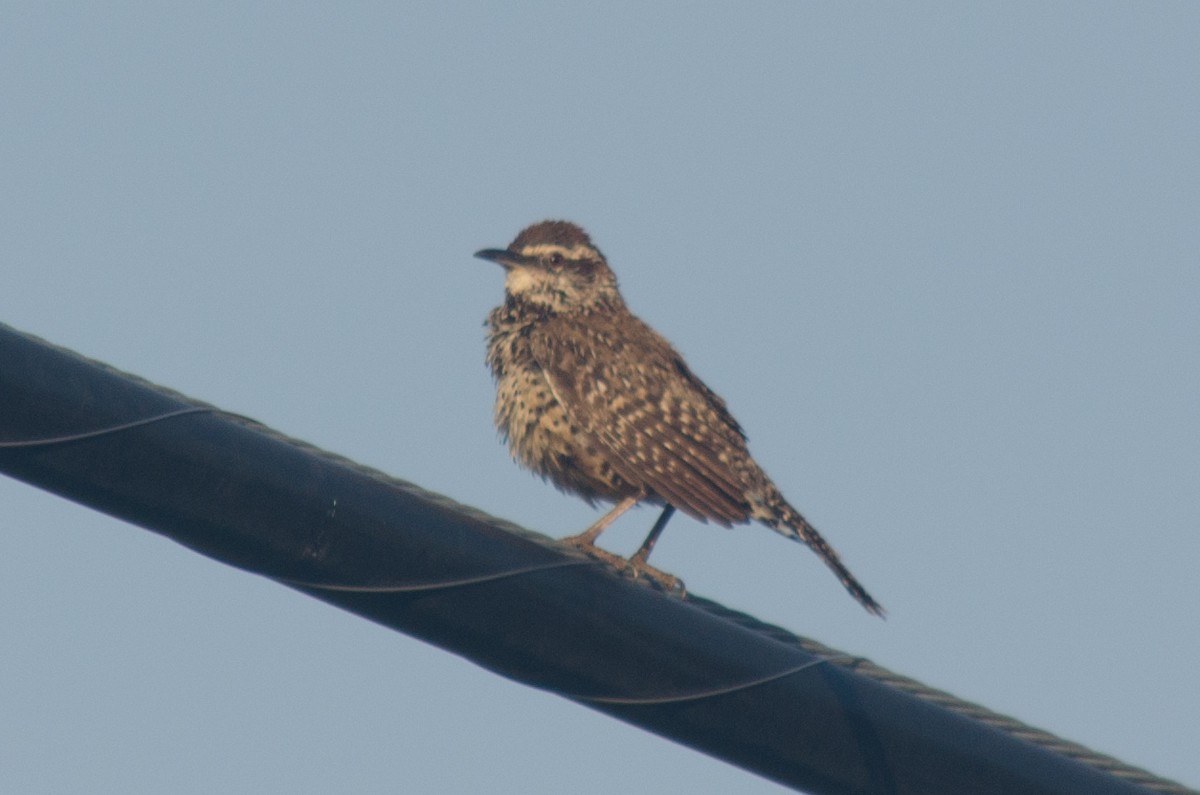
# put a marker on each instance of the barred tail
(785, 519)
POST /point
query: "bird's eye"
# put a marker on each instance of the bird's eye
(556, 258)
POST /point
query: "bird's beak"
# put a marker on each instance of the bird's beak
(502, 257)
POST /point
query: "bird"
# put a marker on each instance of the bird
(595, 401)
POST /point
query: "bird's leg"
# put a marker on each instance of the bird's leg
(586, 542)
(638, 562)
(643, 554)
(588, 537)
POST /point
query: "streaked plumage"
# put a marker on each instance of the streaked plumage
(598, 403)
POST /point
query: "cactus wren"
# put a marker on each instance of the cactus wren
(595, 401)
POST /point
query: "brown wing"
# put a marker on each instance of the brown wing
(659, 426)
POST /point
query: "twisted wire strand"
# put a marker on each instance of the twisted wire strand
(699, 695)
(50, 441)
(436, 585)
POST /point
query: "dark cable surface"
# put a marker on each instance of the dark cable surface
(760, 697)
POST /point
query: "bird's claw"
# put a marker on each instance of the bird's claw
(667, 582)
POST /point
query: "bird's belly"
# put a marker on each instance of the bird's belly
(544, 439)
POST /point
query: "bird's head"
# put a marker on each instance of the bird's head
(554, 266)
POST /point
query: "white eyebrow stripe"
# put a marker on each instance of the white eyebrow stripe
(578, 251)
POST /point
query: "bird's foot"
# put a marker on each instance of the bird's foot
(584, 545)
(667, 582)
(634, 566)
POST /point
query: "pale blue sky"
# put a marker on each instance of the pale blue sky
(943, 262)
